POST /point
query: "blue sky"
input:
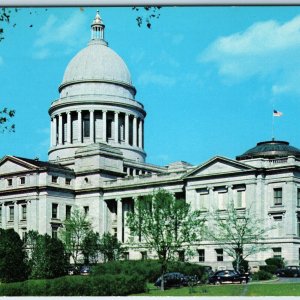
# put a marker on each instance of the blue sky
(208, 77)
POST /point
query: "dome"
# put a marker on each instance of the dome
(96, 62)
(270, 149)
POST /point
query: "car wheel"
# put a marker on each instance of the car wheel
(217, 282)
(244, 281)
(295, 275)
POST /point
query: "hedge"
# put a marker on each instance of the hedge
(262, 275)
(106, 285)
(149, 269)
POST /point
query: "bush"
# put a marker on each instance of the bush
(262, 275)
(107, 285)
(273, 261)
(270, 269)
(244, 265)
(149, 269)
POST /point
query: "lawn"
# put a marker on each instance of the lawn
(253, 289)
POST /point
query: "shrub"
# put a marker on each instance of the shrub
(270, 269)
(262, 275)
(274, 261)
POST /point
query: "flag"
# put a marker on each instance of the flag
(277, 113)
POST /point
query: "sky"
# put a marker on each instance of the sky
(208, 77)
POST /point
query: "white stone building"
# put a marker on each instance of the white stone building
(97, 163)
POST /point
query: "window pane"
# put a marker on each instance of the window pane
(278, 196)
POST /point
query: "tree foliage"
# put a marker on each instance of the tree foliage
(147, 14)
(12, 257)
(73, 233)
(111, 248)
(47, 257)
(91, 247)
(5, 120)
(164, 225)
(238, 232)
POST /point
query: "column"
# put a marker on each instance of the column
(141, 133)
(92, 126)
(116, 127)
(119, 218)
(3, 216)
(60, 132)
(69, 132)
(55, 131)
(126, 129)
(104, 125)
(79, 120)
(134, 132)
(51, 133)
(16, 217)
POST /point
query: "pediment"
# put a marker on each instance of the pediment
(219, 165)
(10, 164)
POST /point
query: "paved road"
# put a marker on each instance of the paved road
(288, 279)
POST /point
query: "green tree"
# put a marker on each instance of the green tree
(111, 248)
(47, 258)
(73, 233)
(164, 225)
(5, 120)
(239, 232)
(12, 257)
(91, 247)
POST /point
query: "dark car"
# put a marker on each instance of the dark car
(228, 276)
(173, 279)
(73, 270)
(289, 271)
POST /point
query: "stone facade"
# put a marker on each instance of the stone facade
(97, 163)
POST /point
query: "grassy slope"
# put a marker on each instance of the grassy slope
(259, 289)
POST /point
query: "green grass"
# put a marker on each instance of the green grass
(253, 289)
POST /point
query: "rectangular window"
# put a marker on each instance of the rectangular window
(54, 210)
(298, 197)
(68, 181)
(24, 235)
(11, 213)
(278, 196)
(126, 255)
(54, 232)
(181, 255)
(24, 212)
(240, 199)
(144, 255)
(221, 200)
(277, 252)
(9, 181)
(68, 211)
(203, 199)
(201, 253)
(54, 179)
(22, 180)
(298, 225)
(219, 253)
(86, 210)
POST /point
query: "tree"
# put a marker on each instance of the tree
(5, 117)
(73, 233)
(239, 233)
(91, 247)
(12, 257)
(165, 225)
(111, 248)
(47, 258)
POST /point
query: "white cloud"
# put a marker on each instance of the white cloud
(149, 77)
(265, 48)
(59, 32)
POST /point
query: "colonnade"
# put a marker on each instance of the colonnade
(90, 126)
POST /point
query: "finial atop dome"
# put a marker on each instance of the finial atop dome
(98, 28)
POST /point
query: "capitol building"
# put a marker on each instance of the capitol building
(97, 162)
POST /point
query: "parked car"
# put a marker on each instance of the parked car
(73, 270)
(85, 270)
(228, 276)
(173, 279)
(289, 271)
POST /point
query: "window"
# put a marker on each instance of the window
(24, 235)
(68, 181)
(54, 179)
(9, 181)
(54, 210)
(181, 255)
(86, 210)
(11, 213)
(240, 198)
(278, 196)
(201, 253)
(203, 198)
(277, 252)
(24, 212)
(299, 254)
(144, 255)
(298, 197)
(221, 200)
(298, 225)
(114, 232)
(54, 232)
(219, 253)
(126, 255)
(22, 180)
(68, 211)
